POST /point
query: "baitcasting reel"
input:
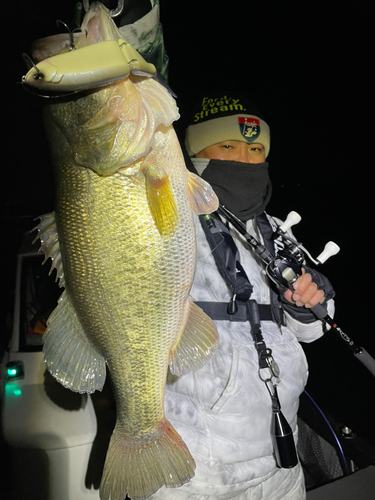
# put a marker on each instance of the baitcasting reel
(286, 266)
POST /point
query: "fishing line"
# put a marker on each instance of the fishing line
(347, 472)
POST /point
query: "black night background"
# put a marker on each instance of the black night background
(308, 66)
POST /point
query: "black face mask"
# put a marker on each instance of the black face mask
(243, 188)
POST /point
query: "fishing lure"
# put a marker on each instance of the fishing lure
(88, 67)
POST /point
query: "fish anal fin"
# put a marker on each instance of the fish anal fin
(196, 344)
(139, 466)
(161, 199)
(203, 199)
(69, 356)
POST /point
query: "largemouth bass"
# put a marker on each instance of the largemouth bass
(122, 242)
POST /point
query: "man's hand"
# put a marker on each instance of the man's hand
(305, 292)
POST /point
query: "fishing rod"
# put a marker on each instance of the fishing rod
(285, 267)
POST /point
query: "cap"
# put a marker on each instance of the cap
(225, 116)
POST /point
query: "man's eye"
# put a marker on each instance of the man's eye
(227, 146)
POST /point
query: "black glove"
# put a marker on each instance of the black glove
(303, 314)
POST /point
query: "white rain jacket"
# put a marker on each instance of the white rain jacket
(223, 411)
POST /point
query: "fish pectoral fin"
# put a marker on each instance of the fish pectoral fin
(69, 356)
(161, 199)
(202, 197)
(49, 244)
(138, 465)
(196, 344)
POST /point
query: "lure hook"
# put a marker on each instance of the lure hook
(34, 91)
(72, 46)
(30, 64)
(112, 13)
(39, 76)
(80, 30)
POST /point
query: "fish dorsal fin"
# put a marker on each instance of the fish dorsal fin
(196, 344)
(68, 354)
(203, 200)
(49, 244)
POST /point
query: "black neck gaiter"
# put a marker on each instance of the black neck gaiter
(243, 188)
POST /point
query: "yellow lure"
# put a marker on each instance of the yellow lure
(89, 67)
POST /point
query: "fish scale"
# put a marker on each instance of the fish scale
(113, 222)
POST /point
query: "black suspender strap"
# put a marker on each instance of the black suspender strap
(219, 311)
(226, 255)
(263, 352)
(227, 259)
(247, 311)
(267, 232)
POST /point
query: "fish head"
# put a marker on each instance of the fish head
(111, 128)
(112, 121)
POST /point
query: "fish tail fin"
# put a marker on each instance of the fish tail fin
(196, 344)
(203, 199)
(140, 466)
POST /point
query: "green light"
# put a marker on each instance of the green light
(12, 390)
(15, 370)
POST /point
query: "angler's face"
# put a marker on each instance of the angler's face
(234, 151)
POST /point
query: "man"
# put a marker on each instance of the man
(224, 411)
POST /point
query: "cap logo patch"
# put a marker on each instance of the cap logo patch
(249, 128)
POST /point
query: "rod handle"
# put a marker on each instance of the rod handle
(365, 358)
(320, 311)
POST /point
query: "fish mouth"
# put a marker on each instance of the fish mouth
(97, 26)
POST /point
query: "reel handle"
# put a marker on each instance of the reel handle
(292, 219)
(330, 249)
